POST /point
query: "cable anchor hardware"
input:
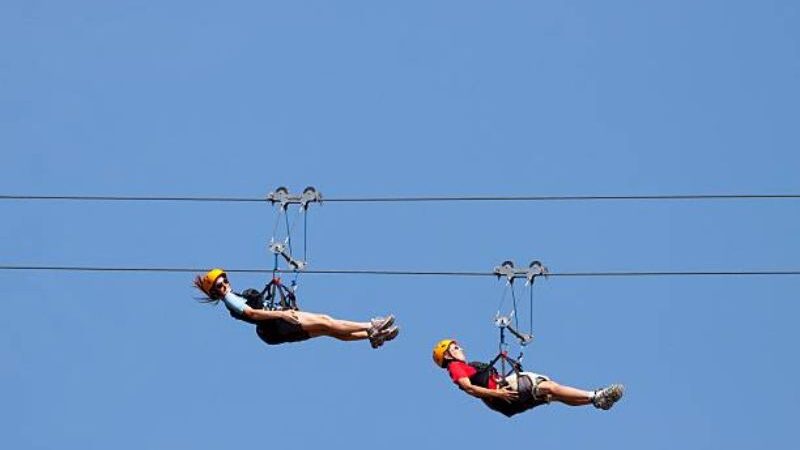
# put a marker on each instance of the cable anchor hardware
(281, 248)
(504, 323)
(282, 196)
(534, 269)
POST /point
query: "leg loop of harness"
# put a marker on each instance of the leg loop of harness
(545, 398)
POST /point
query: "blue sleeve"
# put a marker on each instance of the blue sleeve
(234, 303)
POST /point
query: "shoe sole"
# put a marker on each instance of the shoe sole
(382, 339)
(615, 393)
(386, 324)
(375, 332)
(391, 333)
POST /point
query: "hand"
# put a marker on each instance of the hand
(506, 394)
(291, 316)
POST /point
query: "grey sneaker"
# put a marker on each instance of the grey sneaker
(384, 336)
(379, 324)
(605, 398)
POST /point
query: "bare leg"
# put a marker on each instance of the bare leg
(324, 325)
(357, 336)
(565, 394)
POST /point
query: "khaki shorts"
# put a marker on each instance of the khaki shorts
(535, 380)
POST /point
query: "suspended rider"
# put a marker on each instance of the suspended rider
(517, 392)
(288, 324)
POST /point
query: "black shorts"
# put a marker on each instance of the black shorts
(279, 331)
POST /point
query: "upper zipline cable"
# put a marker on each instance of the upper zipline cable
(406, 272)
(453, 198)
(122, 198)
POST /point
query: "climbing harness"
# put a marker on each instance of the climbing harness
(276, 295)
(509, 365)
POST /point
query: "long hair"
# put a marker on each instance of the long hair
(211, 297)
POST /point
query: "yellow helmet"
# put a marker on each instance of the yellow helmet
(440, 349)
(207, 281)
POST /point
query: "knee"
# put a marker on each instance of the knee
(322, 319)
(547, 387)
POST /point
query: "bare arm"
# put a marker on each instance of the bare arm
(238, 305)
(484, 393)
(262, 314)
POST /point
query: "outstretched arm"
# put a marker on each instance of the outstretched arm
(484, 393)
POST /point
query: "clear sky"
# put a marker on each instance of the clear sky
(399, 98)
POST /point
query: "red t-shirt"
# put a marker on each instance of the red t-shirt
(460, 369)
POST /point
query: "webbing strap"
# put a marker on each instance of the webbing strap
(530, 311)
(514, 298)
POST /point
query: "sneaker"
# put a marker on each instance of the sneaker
(384, 336)
(379, 324)
(605, 398)
(390, 333)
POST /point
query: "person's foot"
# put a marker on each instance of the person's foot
(379, 324)
(384, 336)
(605, 398)
(390, 333)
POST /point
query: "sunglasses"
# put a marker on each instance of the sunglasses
(220, 283)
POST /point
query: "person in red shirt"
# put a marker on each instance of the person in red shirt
(519, 391)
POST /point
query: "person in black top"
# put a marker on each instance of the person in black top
(289, 325)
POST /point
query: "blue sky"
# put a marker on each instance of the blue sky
(410, 98)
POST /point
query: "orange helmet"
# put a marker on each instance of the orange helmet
(440, 349)
(207, 281)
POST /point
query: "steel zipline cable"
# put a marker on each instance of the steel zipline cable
(687, 197)
(682, 273)
(410, 199)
